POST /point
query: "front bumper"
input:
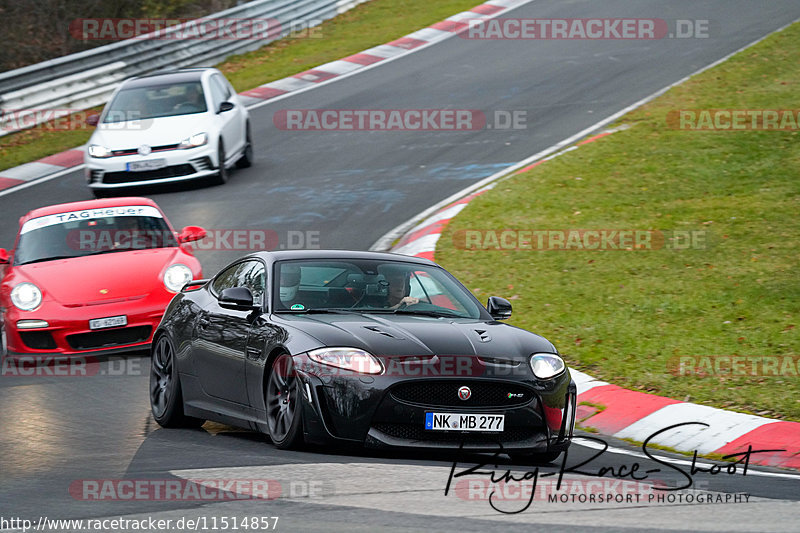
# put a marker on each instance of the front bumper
(68, 331)
(367, 409)
(181, 165)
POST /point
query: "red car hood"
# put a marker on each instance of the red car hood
(110, 276)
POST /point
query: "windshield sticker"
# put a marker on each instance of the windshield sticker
(89, 214)
(297, 307)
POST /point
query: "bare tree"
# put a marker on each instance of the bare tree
(38, 30)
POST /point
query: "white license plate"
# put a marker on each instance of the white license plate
(150, 164)
(108, 322)
(463, 422)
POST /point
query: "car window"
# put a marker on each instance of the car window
(91, 232)
(371, 286)
(250, 274)
(218, 94)
(156, 101)
(226, 91)
(428, 289)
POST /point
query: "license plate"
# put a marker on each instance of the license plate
(108, 322)
(150, 164)
(463, 422)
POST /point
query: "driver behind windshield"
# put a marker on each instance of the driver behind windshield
(290, 283)
(195, 102)
(399, 287)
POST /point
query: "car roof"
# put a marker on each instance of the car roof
(167, 77)
(87, 204)
(287, 255)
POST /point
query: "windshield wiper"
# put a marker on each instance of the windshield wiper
(437, 314)
(321, 310)
(54, 258)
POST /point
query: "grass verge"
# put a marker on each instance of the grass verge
(365, 26)
(624, 316)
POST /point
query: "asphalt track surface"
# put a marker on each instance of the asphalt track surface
(352, 188)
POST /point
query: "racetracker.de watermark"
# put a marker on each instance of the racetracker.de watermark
(398, 119)
(703, 366)
(580, 239)
(200, 490)
(585, 29)
(71, 366)
(66, 119)
(219, 239)
(234, 29)
(734, 119)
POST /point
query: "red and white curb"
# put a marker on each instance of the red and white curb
(46, 166)
(303, 81)
(634, 415)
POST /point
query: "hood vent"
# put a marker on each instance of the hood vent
(491, 361)
(483, 335)
(384, 332)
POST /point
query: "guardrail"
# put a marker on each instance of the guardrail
(80, 81)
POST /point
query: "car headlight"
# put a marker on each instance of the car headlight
(26, 296)
(546, 365)
(176, 277)
(95, 150)
(198, 139)
(351, 359)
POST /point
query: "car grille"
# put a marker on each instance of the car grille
(109, 337)
(418, 433)
(173, 171)
(444, 393)
(38, 340)
(132, 151)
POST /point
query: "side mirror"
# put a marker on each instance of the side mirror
(93, 120)
(4, 258)
(191, 234)
(499, 308)
(225, 106)
(237, 298)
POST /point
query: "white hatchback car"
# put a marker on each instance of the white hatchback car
(168, 127)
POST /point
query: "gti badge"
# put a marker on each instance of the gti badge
(464, 393)
(144, 150)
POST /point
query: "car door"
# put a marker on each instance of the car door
(221, 335)
(230, 122)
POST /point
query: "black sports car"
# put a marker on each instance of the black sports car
(360, 347)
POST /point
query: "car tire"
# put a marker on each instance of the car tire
(247, 156)
(541, 458)
(283, 401)
(222, 175)
(166, 399)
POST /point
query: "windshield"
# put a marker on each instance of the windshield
(306, 286)
(156, 101)
(90, 232)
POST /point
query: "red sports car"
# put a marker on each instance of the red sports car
(92, 277)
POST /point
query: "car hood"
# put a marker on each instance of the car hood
(152, 132)
(97, 278)
(390, 336)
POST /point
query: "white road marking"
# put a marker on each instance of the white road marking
(684, 462)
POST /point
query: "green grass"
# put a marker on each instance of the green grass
(365, 26)
(622, 315)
